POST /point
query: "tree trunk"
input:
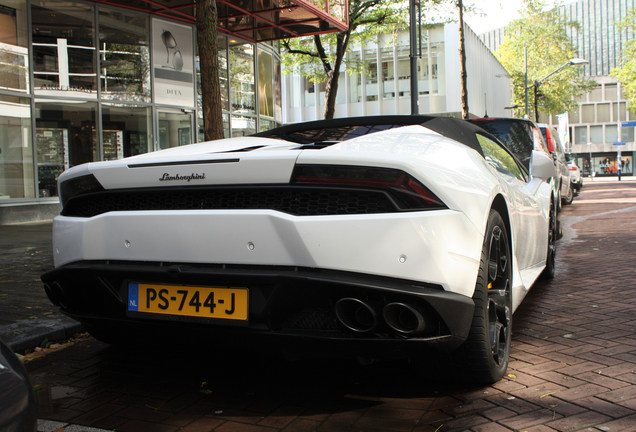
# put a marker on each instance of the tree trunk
(331, 91)
(207, 40)
(333, 74)
(462, 61)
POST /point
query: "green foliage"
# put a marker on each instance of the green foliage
(626, 72)
(367, 19)
(543, 32)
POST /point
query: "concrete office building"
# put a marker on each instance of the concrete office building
(595, 125)
(384, 88)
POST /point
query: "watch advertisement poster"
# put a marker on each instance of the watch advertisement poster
(173, 63)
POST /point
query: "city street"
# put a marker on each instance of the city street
(573, 364)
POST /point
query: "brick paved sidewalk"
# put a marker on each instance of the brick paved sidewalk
(572, 369)
(27, 317)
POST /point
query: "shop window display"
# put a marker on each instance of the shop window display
(16, 151)
(124, 56)
(126, 131)
(64, 55)
(65, 136)
(14, 54)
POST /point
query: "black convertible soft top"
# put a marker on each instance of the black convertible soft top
(341, 129)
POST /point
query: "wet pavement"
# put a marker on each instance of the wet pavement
(573, 361)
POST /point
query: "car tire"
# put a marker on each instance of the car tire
(550, 265)
(567, 200)
(484, 356)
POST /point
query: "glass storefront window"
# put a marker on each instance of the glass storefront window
(242, 91)
(65, 136)
(14, 54)
(63, 49)
(265, 84)
(278, 90)
(17, 178)
(126, 130)
(264, 125)
(242, 126)
(607, 164)
(175, 128)
(124, 56)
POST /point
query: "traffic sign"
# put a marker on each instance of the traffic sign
(629, 123)
(619, 143)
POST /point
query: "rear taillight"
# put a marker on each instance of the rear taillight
(407, 192)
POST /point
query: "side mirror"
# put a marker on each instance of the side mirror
(541, 165)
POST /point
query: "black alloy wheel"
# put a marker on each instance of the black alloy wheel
(550, 264)
(484, 356)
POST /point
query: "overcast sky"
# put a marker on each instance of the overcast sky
(497, 13)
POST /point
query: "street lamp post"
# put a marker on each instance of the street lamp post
(536, 84)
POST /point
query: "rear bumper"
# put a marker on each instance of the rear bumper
(283, 301)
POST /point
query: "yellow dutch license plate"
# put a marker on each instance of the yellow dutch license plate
(193, 301)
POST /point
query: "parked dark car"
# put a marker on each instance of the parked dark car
(521, 136)
(17, 405)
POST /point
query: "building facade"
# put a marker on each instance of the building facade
(597, 136)
(384, 87)
(84, 81)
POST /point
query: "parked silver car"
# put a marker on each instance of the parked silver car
(576, 182)
(556, 149)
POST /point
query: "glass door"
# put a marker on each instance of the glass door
(175, 128)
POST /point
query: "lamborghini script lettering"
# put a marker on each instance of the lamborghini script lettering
(193, 176)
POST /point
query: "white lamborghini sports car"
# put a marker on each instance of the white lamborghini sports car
(377, 232)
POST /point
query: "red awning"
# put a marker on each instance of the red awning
(254, 20)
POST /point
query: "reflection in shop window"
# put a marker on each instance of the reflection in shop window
(16, 151)
(265, 84)
(243, 126)
(175, 128)
(242, 92)
(14, 55)
(124, 56)
(125, 130)
(63, 55)
(65, 137)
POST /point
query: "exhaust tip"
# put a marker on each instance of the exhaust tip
(58, 295)
(356, 315)
(50, 294)
(403, 318)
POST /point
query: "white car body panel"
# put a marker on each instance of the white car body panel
(439, 246)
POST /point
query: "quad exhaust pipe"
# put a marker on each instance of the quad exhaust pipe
(356, 315)
(360, 317)
(404, 318)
